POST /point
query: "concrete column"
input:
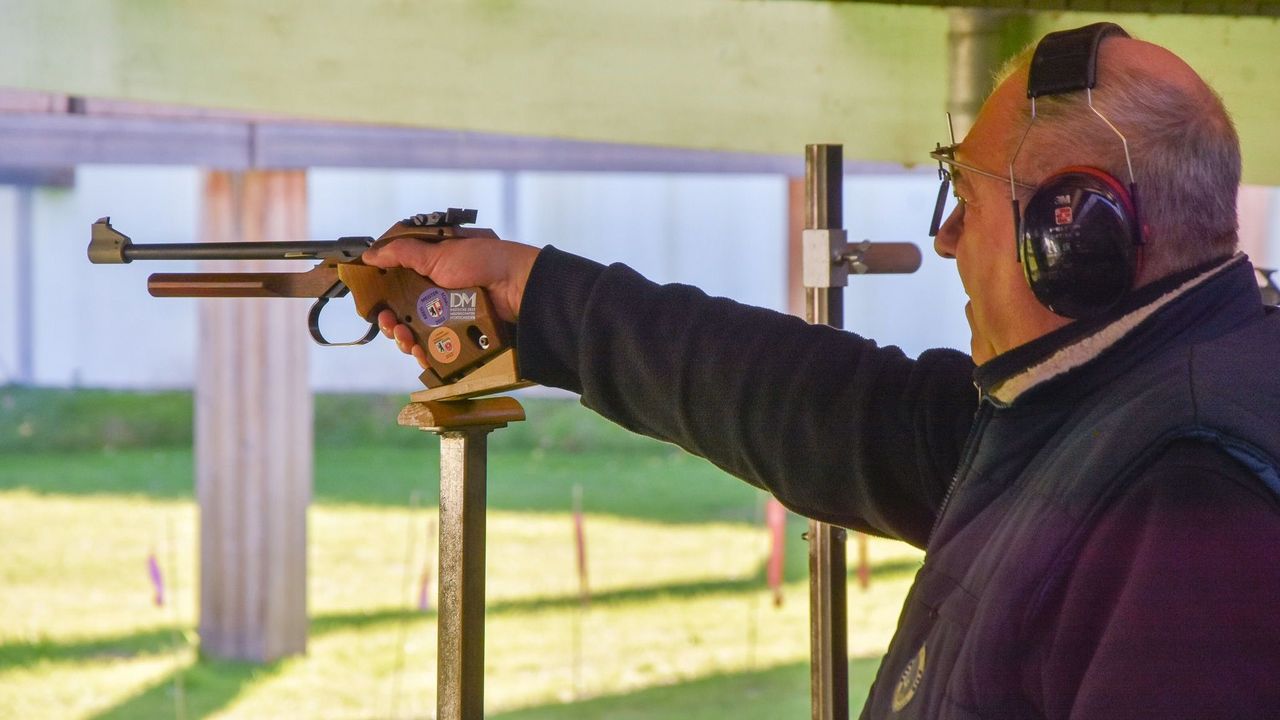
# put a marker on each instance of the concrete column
(253, 432)
(978, 43)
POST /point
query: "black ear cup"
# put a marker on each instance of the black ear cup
(1077, 242)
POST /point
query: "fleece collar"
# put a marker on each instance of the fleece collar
(1007, 377)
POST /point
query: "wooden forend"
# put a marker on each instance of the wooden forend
(442, 416)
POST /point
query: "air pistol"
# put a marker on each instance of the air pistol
(469, 351)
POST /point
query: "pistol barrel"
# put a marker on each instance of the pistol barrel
(108, 245)
(348, 248)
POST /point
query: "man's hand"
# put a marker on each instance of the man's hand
(499, 266)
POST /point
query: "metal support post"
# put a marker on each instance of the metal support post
(460, 660)
(828, 258)
(463, 427)
(828, 633)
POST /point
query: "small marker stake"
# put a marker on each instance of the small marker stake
(157, 579)
(776, 520)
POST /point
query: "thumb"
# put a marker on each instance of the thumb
(402, 252)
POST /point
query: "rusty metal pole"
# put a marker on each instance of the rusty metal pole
(463, 427)
(824, 303)
(826, 263)
(460, 620)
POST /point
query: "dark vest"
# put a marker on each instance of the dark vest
(1036, 474)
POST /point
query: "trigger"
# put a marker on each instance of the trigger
(313, 326)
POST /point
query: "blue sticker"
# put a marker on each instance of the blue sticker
(433, 307)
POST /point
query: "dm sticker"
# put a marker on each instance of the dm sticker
(443, 345)
(433, 307)
(462, 305)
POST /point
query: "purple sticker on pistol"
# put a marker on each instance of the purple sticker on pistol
(433, 307)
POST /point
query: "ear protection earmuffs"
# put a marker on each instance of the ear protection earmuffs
(1079, 235)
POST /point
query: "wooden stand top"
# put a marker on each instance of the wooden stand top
(442, 415)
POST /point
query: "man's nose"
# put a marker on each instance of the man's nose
(944, 243)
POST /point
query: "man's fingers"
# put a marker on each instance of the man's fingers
(402, 335)
(404, 338)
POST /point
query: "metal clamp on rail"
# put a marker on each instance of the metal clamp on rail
(829, 257)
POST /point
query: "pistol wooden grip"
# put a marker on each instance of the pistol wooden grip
(455, 327)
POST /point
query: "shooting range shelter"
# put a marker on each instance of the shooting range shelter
(258, 92)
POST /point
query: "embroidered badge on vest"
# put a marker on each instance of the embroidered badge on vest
(908, 681)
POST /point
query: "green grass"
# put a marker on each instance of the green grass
(679, 625)
(52, 420)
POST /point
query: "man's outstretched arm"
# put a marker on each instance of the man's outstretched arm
(836, 427)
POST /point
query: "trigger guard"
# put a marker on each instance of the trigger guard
(313, 326)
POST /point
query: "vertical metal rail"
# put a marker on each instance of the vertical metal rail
(460, 619)
(828, 631)
(463, 427)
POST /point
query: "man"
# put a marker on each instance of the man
(1102, 519)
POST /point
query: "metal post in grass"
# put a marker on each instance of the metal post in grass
(463, 427)
(827, 260)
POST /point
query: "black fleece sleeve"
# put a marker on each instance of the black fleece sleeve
(834, 426)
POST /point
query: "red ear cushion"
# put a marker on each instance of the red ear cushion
(1103, 176)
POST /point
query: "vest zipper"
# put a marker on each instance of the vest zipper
(962, 469)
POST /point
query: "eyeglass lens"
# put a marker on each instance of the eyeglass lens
(941, 205)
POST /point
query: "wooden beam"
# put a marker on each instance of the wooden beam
(253, 435)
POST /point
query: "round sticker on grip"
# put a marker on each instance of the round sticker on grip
(433, 307)
(444, 345)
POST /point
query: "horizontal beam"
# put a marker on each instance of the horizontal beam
(52, 140)
(43, 135)
(306, 145)
(42, 145)
(52, 176)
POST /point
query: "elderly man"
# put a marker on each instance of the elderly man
(1102, 517)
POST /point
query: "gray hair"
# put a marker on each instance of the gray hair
(1185, 153)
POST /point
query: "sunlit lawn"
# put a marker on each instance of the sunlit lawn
(679, 624)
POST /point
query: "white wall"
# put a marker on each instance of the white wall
(915, 312)
(96, 325)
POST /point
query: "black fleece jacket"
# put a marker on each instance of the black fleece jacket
(1167, 608)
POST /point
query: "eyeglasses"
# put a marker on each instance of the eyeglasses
(946, 157)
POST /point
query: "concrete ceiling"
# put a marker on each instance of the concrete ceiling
(755, 76)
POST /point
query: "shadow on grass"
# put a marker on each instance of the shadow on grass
(777, 692)
(210, 684)
(667, 487)
(166, 639)
(206, 687)
(126, 645)
(322, 624)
